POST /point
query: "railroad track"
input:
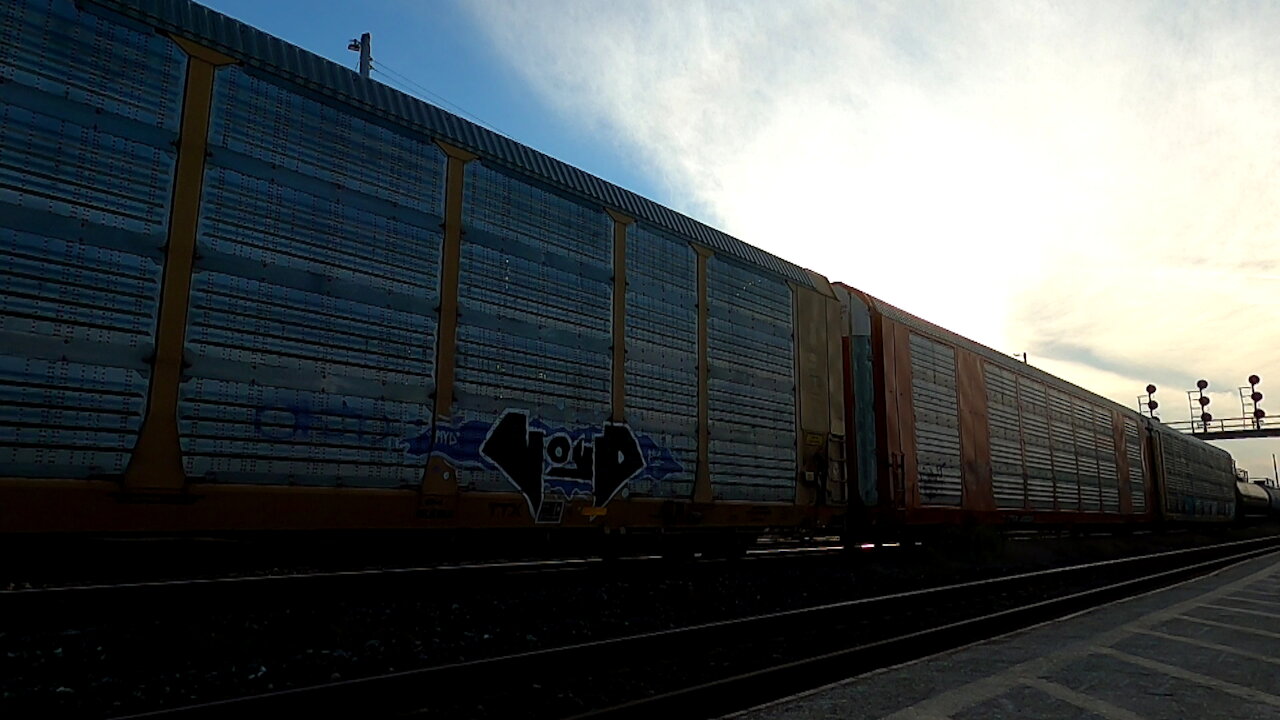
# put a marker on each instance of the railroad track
(51, 598)
(719, 667)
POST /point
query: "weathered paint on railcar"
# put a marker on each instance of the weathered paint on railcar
(1196, 481)
(325, 326)
(862, 392)
(820, 395)
(969, 433)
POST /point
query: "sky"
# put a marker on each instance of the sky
(1094, 184)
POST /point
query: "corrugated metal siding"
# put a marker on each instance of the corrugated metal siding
(535, 307)
(312, 325)
(1108, 471)
(1006, 437)
(1137, 475)
(752, 383)
(1199, 481)
(1034, 404)
(1086, 456)
(89, 111)
(662, 354)
(937, 420)
(998, 359)
(258, 49)
(1066, 484)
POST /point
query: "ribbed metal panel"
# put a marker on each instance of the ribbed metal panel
(1034, 405)
(312, 326)
(1199, 480)
(1108, 471)
(1066, 484)
(535, 297)
(89, 111)
(752, 383)
(260, 50)
(1003, 426)
(1086, 456)
(662, 354)
(999, 359)
(937, 420)
(1137, 475)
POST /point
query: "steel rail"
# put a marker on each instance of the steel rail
(368, 693)
(550, 565)
(753, 688)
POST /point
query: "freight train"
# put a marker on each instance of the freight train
(245, 289)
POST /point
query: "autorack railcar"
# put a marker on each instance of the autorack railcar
(245, 289)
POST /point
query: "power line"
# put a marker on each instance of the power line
(406, 82)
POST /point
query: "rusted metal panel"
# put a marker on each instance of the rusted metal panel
(1007, 465)
(975, 439)
(257, 49)
(937, 420)
(752, 389)
(312, 323)
(813, 392)
(89, 113)
(662, 356)
(840, 469)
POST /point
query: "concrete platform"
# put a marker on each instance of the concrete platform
(1208, 648)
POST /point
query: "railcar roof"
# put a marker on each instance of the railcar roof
(257, 49)
(1005, 361)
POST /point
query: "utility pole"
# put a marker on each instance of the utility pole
(364, 46)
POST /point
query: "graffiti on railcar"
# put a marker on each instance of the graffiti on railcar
(537, 459)
(540, 460)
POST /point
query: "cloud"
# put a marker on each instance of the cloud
(1097, 185)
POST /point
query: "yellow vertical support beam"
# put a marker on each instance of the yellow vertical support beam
(156, 463)
(619, 399)
(702, 480)
(441, 478)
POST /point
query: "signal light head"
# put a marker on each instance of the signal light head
(1254, 379)
(1203, 401)
(1259, 413)
(1202, 384)
(1153, 404)
(1205, 417)
(1256, 396)
(1151, 389)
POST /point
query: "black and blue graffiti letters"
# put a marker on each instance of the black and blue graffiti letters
(599, 465)
(618, 459)
(518, 452)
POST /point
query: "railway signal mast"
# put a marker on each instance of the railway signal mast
(1147, 405)
(1198, 398)
(1249, 402)
(1251, 423)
